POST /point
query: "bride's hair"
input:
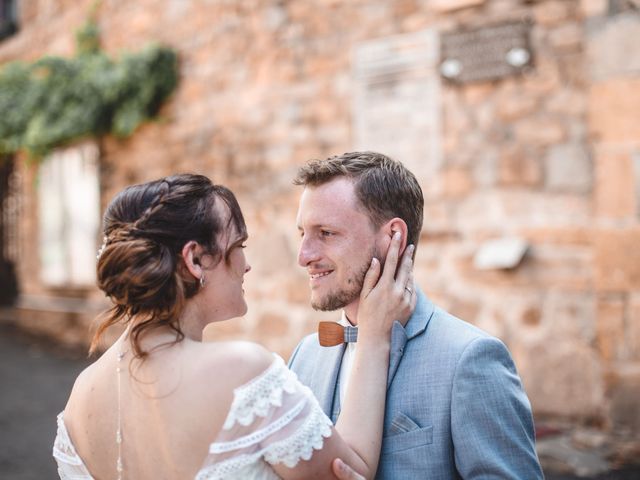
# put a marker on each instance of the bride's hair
(140, 265)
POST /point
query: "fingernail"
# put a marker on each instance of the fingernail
(341, 465)
(374, 261)
(412, 247)
(396, 235)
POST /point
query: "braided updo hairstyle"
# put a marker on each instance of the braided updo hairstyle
(140, 263)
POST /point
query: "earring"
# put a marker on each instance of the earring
(202, 281)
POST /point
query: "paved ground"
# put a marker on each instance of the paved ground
(35, 380)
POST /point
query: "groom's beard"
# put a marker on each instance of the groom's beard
(342, 297)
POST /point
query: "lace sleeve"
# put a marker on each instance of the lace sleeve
(272, 418)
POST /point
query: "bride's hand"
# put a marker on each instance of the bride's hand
(388, 297)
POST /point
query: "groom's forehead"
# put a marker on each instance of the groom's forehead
(321, 209)
(337, 195)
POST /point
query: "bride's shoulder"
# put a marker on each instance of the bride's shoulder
(243, 360)
(85, 380)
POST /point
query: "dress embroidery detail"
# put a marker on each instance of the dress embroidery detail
(256, 397)
(258, 435)
(273, 419)
(309, 437)
(70, 465)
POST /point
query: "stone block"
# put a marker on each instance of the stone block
(559, 369)
(569, 314)
(272, 325)
(505, 9)
(636, 176)
(611, 47)
(281, 251)
(485, 168)
(518, 168)
(465, 309)
(624, 392)
(610, 327)
(486, 210)
(568, 168)
(566, 38)
(615, 187)
(445, 6)
(633, 326)
(617, 259)
(567, 268)
(593, 8)
(517, 315)
(476, 93)
(543, 79)
(540, 131)
(570, 102)
(296, 288)
(457, 120)
(514, 104)
(613, 110)
(531, 317)
(560, 235)
(457, 182)
(552, 12)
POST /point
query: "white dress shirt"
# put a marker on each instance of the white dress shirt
(347, 362)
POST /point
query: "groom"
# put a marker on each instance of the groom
(455, 404)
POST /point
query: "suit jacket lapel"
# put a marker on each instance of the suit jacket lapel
(400, 335)
(398, 341)
(325, 375)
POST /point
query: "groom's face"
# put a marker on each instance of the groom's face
(337, 244)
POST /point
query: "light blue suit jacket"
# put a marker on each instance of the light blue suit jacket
(455, 404)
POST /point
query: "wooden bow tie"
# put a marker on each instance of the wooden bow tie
(331, 334)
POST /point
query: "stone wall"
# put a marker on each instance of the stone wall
(551, 156)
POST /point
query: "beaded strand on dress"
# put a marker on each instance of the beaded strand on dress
(119, 468)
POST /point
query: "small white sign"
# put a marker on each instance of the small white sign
(501, 253)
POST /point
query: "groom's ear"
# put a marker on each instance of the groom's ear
(387, 231)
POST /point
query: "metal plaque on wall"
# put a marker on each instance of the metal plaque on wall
(487, 53)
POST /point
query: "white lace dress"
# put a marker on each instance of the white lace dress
(273, 419)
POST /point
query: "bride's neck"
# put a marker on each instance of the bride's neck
(153, 339)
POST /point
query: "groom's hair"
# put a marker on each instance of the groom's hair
(384, 187)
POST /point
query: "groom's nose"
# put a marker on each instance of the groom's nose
(308, 252)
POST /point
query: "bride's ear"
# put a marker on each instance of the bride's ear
(192, 258)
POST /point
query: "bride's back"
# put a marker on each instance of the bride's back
(173, 404)
(171, 262)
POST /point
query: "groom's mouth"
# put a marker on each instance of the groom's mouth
(316, 277)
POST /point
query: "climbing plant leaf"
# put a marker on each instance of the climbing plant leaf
(55, 101)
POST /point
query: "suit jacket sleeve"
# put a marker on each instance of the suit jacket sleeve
(491, 421)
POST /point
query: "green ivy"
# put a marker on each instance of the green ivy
(56, 101)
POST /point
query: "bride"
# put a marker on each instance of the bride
(161, 404)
